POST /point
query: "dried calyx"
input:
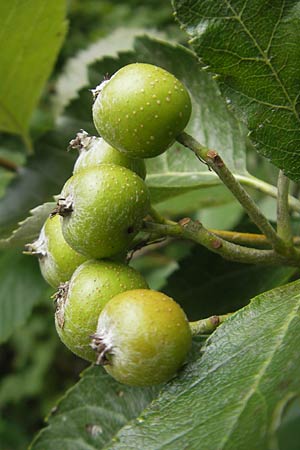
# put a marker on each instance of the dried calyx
(37, 248)
(82, 142)
(101, 349)
(60, 298)
(95, 92)
(64, 207)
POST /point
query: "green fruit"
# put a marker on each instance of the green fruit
(141, 110)
(94, 151)
(103, 208)
(56, 258)
(142, 337)
(79, 302)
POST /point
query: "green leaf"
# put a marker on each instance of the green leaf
(92, 412)
(229, 397)
(29, 229)
(21, 288)
(32, 33)
(253, 48)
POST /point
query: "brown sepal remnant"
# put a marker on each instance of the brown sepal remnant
(215, 320)
(81, 142)
(101, 349)
(63, 207)
(60, 298)
(77, 143)
(215, 158)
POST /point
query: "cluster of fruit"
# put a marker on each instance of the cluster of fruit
(105, 312)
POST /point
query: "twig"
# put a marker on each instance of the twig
(215, 162)
(195, 231)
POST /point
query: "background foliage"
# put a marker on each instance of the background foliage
(247, 379)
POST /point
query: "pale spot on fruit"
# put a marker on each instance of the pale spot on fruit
(156, 116)
(142, 126)
(134, 112)
(142, 108)
(180, 114)
(152, 138)
(148, 103)
(168, 99)
(158, 102)
(127, 116)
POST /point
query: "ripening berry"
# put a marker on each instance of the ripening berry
(80, 301)
(142, 337)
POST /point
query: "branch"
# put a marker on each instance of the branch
(215, 162)
(236, 237)
(195, 231)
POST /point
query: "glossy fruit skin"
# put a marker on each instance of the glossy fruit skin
(106, 208)
(95, 151)
(146, 336)
(57, 259)
(141, 110)
(92, 285)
